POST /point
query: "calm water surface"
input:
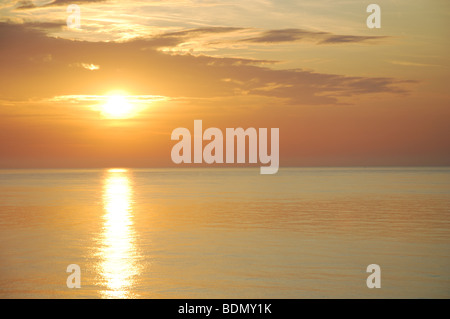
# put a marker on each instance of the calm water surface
(225, 233)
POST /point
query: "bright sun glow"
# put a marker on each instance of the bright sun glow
(117, 107)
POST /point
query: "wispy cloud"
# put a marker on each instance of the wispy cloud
(140, 65)
(88, 66)
(86, 98)
(297, 35)
(28, 4)
(408, 63)
(25, 4)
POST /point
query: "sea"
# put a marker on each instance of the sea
(225, 233)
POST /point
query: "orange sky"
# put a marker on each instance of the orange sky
(341, 94)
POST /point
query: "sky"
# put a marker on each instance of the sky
(340, 93)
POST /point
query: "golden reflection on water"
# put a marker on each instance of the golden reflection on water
(119, 265)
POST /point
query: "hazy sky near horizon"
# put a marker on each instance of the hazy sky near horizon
(341, 93)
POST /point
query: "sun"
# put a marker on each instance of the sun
(118, 107)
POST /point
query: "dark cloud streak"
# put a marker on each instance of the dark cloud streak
(27, 4)
(296, 35)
